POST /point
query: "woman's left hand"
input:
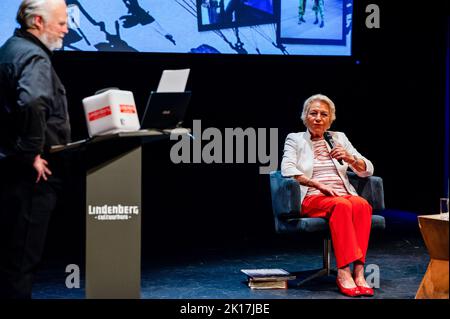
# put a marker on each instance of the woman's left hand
(339, 153)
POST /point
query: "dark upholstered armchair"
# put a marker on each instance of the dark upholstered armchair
(286, 210)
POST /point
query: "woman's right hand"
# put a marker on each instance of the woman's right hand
(327, 190)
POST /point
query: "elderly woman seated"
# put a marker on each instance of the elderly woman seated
(318, 159)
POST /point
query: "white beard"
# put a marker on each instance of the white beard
(51, 45)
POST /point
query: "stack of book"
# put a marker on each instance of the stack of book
(268, 278)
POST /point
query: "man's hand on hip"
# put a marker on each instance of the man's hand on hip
(40, 165)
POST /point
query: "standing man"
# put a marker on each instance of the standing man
(33, 117)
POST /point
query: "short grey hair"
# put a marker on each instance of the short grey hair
(322, 98)
(30, 9)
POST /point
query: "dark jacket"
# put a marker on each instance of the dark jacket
(33, 104)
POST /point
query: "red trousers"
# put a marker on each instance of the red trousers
(350, 219)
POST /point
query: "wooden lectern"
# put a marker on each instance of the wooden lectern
(434, 284)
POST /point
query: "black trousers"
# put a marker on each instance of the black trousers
(25, 209)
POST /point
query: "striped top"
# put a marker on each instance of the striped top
(324, 170)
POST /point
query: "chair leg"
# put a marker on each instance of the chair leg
(327, 257)
(326, 269)
(327, 254)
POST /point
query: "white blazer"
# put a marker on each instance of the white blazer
(298, 157)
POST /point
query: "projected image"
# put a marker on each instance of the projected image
(315, 21)
(219, 14)
(91, 26)
(172, 26)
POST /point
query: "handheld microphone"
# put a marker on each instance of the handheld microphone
(329, 140)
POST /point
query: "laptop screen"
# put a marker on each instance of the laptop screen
(165, 110)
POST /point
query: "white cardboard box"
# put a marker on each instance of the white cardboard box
(111, 112)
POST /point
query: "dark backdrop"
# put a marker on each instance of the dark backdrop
(389, 98)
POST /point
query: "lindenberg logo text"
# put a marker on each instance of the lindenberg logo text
(116, 212)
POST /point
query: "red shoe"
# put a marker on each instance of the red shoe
(351, 292)
(366, 291)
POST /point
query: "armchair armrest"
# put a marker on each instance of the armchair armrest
(371, 188)
(285, 196)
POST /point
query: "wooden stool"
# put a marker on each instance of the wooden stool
(434, 284)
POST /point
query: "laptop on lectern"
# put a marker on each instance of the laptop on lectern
(165, 110)
(167, 106)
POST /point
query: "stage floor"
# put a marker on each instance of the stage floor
(398, 252)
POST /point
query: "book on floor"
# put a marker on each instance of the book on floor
(278, 284)
(268, 278)
(266, 274)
